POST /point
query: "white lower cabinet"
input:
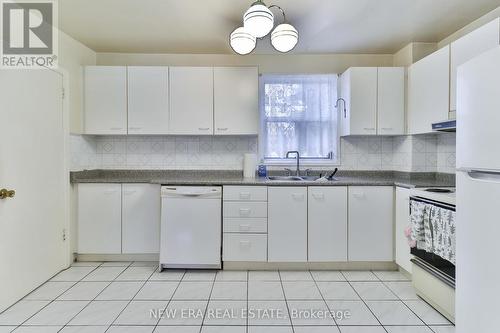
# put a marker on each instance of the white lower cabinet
(245, 223)
(287, 224)
(141, 207)
(116, 218)
(244, 247)
(327, 223)
(99, 218)
(370, 232)
(402, 218)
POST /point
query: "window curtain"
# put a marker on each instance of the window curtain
(298, 113)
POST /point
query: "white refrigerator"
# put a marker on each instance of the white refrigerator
(478, 194)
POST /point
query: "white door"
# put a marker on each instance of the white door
(105, 100)
(327, 223)
(469, 46)
(31, 163)
(477, 287)
(428, 91)
(478, 112)
(391, 101)
(99, 218)
(236, 96)
(141, 218)
(191, 100)
(147, 100)
(402, 216)
(287, 224)
(371, 223)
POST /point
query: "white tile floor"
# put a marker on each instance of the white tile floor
(118, 297)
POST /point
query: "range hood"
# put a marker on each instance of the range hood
(445, 126)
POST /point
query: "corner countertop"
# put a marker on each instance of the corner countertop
(232, 177)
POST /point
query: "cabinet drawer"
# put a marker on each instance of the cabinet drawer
(245, 193)
(251, 225)
(244, 247)
(245, 209)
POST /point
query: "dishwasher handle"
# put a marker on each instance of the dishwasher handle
(191, 192)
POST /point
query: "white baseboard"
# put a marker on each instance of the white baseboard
(378, 266)
(118, 257)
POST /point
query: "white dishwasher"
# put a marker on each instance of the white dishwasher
(191, 219)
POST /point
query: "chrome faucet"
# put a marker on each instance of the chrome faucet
(297, 156)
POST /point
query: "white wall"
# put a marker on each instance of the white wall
(323, 63)
(470, 27)
(72, 56)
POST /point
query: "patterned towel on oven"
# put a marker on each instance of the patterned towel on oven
(433, 229)
(444, 233)
(421, 231)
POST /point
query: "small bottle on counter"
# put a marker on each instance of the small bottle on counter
(262, 170)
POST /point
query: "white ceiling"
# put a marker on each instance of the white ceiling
(325, 26)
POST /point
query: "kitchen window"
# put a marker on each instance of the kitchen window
(298, 113)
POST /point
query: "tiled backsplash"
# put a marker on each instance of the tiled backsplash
(420, 153)
(160, 152)
(446, 153)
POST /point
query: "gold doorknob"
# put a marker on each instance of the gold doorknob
(4, 193)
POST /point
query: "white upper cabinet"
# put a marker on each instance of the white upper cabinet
(370, 233)
(428, 91)
(374, 101)
(471, 45)
(191, 100)
(147, 100)
(391, 101)
(327, 223)
(105, 100)
(236, 107)
(287, 224)
(359, 90)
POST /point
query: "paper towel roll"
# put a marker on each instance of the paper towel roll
(249, 165)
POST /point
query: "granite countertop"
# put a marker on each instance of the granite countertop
(232, 177)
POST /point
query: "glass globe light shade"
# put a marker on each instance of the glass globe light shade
(241, 41)
(258, 20)
(284, 37)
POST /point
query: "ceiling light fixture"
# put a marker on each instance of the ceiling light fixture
(258, 21)
(242, 42)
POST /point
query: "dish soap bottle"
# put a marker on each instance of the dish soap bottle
(262, 170)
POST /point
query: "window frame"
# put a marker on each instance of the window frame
(332, 161)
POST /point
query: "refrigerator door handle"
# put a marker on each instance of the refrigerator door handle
(484, 176)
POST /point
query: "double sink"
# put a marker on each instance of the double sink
(293, 178)
(297, 177)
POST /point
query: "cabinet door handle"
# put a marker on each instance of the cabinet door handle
(244, 227)
(358, 195)
(245, 195)
(115, 128)
(298, 196)
(110, 191)
(245, 244)
(222, 128)
(135, 128)
(129, 192)
(245, 211)
(387, 128)
(203, 128)
(369, 129)
(318, 196)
